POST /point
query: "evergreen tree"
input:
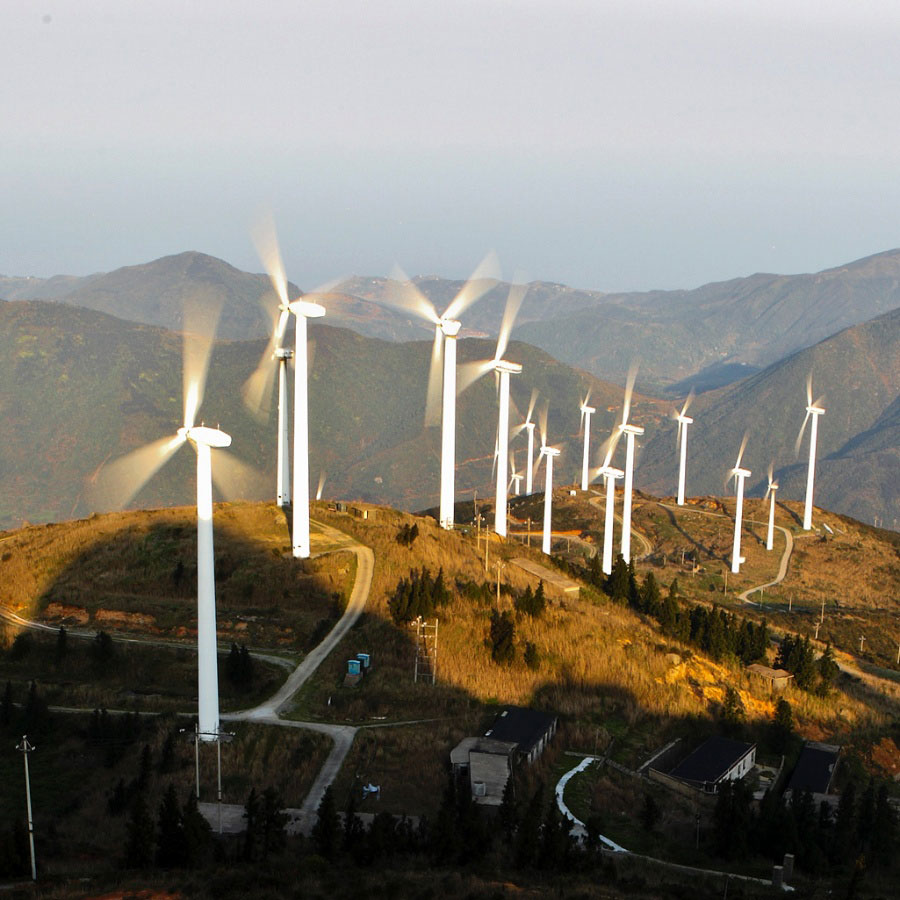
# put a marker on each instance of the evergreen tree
(354, 831)
(650, 813)
(103, 651)
(733, 714)
(326, 833)
(732, 820)
(273, 822)
(508, 813)
(502, 637)
(167, 755)
(117, 801)
(555, 841)
(233, 664)
(62, 644)
(828, 670)
(528, 836)
(170, 842)
(139, 836)
(6, 707)
(145, 769)
(650, 602)
(531, 656)
(197, 833)
(617, 583)
(865, 818)
(884, 828)
(252, 831)
(445, 836)
(36, 715)
(782, 726)
(843, 846)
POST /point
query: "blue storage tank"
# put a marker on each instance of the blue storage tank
(353, 667)
(364, 658)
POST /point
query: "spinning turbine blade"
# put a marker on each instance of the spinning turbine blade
(199, 334)
(402, 292)
(481, 281)
(435, 381)
(257, 389)
(799, 440)
(809, 390)
(235, 479)
(265, 239)
(531, 402)
(629, 390)
(510, 311)
(687, 402)
(740, 455)
(322, 477)
(119, 481)
(468, 373)
(542, 422)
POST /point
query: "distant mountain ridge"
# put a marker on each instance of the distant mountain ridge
(715, 329)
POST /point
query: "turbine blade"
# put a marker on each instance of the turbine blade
(257, 389)
(323, 291)
(771, 473)
(510, 311)
(281, 325)
(608, 447)
(435, 381)
(542, 422)
(199, 324)
(235, 479)
(687, 402)
(468, 373)
(512, 462)
(740, 455)
(799, 440)
(322, 477)
(809, 390)
(531, 402)
(678, 434)
(819, 400)
(265, 239)
(480, 282)
(403, 293)
(117, 483)
(629, 390)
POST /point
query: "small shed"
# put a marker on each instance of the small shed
(714, 762)
(488, 764)
(776, 679)
(815, 770)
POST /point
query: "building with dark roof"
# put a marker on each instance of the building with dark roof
(528, 729)
(815, 770)
(715, 761)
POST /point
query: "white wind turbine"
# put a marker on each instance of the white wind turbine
(813, 410)
(629, 431)
(681, 444)
(404, 293)
(548, 453)
(740, 476)
(586, 413)
(528, 425)
(610, 474)
(471, 372)
(770, 493)
(301, 309)
(122, 479)
(515, 478)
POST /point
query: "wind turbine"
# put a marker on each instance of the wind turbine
(257, 390)
(528, 425)
(681, 443)
(121, 480)
(515, 478)
(770, 492)
(301, 310)
(548, 453)
(739, 475)
(446, 328)
(629, 431)
(812, 410)
(471, 372)
(586, 413)
(610, 474)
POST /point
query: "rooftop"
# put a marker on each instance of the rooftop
(711, 760)
(815, 768)
(521, 726)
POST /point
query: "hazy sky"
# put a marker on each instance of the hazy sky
(611, 145)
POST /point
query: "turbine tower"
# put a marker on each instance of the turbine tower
(610, 474)
(118, 482)
(301, 309)
(740, 476)
(586, 413)
(470, 372)
(405, 294)
(770, 493)
(813, 410)
(629, 431)
(548, 453)
(515, 478)
(681, 444)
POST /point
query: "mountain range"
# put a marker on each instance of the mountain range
(82, 381)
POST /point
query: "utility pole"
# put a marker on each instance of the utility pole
(862, 640)
(529, 531)
(725, 592)
(197, 755)
(822, 616)
(500, 567)
(27, 748)
(818, 626)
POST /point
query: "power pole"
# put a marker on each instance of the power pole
(27, 748)
(862, 640)
(818, 626)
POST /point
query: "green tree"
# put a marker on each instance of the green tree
(650, 813)
(170, 842)
(326, 833)
(528, 837)
(62, 644)
(273, 822)
(532, 656)
(139, 836)
(733, 713)
(103, 651)
(22, 645)
(197, 833)
(782, 726)
(6, 707)
(502, 637)
(828, 670)
(252, 830)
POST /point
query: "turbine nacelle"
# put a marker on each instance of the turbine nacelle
(202, 434)
(450, 327)
(740, 473)
(587, 410)
(610, 472)
(283, 353)
(631, 429)
(307, 308)
(550, 451)
(815, 411)
(504, 365)
(684, 420)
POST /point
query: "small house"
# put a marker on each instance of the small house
(714, 762)
(529, 729)
(815, 770)
(775, 679)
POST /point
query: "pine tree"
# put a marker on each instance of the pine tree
(327, 830)
(529, 834)
(828, 670)
(843, 846)
(6, 707)
(782, 726)
(508, 813)
(197, 833)
(354, 831)
(139, 836)
(733, 713)
(617, 583)
(274, 820)
(252, 831)
(532, 657)
(884, 828)
(170, 842)
(36, 714)
(145, 770)
(502, 637)
(62, 644)
(650, 813)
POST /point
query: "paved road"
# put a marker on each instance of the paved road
(599, 500)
